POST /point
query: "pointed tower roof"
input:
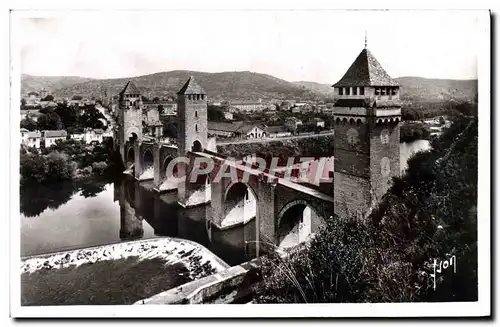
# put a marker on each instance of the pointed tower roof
(366, 71)
(130, 88)
(191, 87)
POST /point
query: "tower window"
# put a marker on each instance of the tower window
(196, 114)
(377, 91)
(203, 96)
(383, 91)
(354, 90)
(348, 91)
(361, 90)
(341, 90)
(394, 90)
(196, 128)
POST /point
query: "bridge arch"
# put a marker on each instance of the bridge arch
(295, 223)
(132, 134)
(130, 157)
(164, 165)
(147, 159)
(240, 204)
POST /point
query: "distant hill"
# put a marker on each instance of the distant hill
(227, 85)
(419, 89)
(241, 85)
(31, 83)
(325, 89)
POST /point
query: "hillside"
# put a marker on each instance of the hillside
(419, 89)
(427, 89)
(31, 83)
(325, 89)
(226, 85)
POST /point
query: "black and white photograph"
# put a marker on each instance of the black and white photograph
(250, 163)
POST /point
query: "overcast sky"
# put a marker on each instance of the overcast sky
(292, 45)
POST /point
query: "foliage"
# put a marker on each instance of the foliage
(49, 168)
(29, 124)
(50, 121)
(412, 132)
(49, 97)
(429, 213)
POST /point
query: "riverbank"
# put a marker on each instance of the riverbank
(114, 274)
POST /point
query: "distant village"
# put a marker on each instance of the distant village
(228, 119)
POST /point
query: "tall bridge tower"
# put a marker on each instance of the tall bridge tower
(191, 117)
(129, 117)
(367, 113)
(192, 137)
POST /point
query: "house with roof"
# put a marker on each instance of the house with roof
(31, 139)
(277, 131)
(292, 123)
(93, 135)
(50, 137)
(24, 134)
(236, 130)
(151, 122)
(317, 122)
(248, 105)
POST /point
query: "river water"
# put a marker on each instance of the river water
(75, 215)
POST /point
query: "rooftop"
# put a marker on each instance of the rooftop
(130, 88)
(366, 71)
(191, 87)
(58, 133)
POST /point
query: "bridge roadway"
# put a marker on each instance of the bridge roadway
(269, 139)
(281, 181)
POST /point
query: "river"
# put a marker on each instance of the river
(75, 215)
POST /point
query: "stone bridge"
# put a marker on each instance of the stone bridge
(285, 213)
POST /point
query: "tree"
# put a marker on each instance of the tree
(49, 97)
(77, 97)
(23, 103)
(91, 118)
(156, 99)
(29, 124)
(69, 115)
(49, 122)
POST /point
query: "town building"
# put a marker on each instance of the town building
(367, 113)
(50, 137)
(152, 123)
(94, 136)
(248, 105)
(317, 122)
(292, 123)
(277, 131)
(236, 130)
(31, 139)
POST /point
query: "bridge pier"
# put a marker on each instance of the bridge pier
(137, 160)
(190, 192)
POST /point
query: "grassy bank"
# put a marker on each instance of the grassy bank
(122, 281)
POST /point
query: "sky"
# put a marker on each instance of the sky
(315, 45)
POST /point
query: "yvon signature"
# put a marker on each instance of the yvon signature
(440, 265)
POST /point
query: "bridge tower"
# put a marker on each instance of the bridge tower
(129, 117)
(367, 112)
(191, 117)
(192, 137)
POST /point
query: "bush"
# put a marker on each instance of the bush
(429, 213)
(99, 167)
